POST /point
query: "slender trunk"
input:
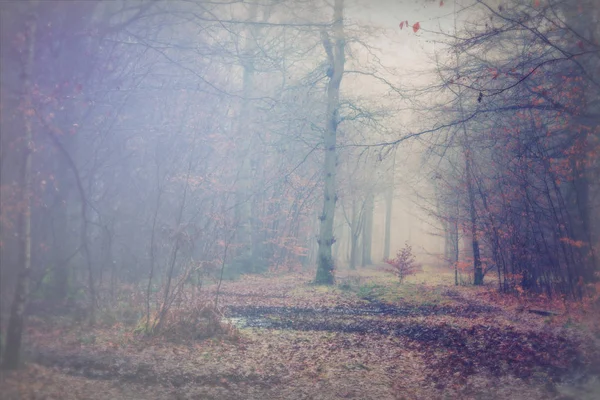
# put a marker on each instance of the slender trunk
(223, 264)
(245, 234)
(60, 278)
(349, 244)
(335, 56)
(477, 268)
(456, 244)
(354, 234)
(153, 247)
(91, 279)
(164, 308)
(445, 221)
(367, 230)
(60, 224)
(389, 201)
(389, 197)
(176, 246)
(14, 332)
(456, 269)
(113, 278)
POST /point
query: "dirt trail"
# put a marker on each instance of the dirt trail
(424, 350)
(449, 350)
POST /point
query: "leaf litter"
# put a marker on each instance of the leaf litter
(297, 341)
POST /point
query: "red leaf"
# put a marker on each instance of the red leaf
(442, 3)
(401, 24)
(536, 3)
(416, 27)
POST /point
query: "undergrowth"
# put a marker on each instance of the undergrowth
(197, 322)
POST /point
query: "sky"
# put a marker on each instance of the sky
(409, 53)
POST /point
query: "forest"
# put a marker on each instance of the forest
(300, 199)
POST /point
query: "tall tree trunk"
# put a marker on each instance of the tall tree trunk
(244, 201)
(152, 246)
(354, 234)
(353, 251)
(389, 198)
(367, 230)
(166, 303)
(585, 179)
(455, 240)
(389, 201)
(447, 240)
(60, 215)
(17, 313)
(443, 217)
(335, 56)
(60, 275)
(477, 268)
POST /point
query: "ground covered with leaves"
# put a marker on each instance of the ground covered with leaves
(368, 337)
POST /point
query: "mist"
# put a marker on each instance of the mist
(165, 164)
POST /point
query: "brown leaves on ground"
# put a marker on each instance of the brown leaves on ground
(299, 341)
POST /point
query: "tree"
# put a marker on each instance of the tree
(389, 200)
(520, 123)
(404, 264)
(367, 233)
(336, 59)
(17, 313)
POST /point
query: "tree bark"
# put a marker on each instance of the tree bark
(455, 241)
(389, 202)
(584, 177)
(17, 314)
(389, 197)
(335, 56)
(477, 268)
(355, 224)
(245, 232)
(63, 205)
(367, 231)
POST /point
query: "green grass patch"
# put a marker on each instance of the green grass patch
(391, 291)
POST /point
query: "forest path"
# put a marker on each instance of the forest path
(368, 337)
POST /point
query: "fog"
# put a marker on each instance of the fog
(151, 148)
(181, 118)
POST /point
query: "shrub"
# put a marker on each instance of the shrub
(404, 264)
(193, 322)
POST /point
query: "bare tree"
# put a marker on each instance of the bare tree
(336, 59)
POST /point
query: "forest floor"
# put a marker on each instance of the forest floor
(367, 337)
